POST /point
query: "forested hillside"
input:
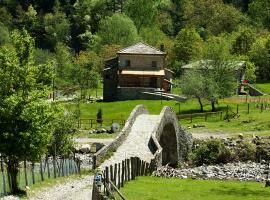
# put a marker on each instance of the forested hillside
(77, 35)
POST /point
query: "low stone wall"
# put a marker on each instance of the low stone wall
(138, 110)
(131, 93)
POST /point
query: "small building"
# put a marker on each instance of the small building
(239, 67)
(136, 72)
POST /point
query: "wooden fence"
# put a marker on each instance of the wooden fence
(93, 122)
(107, 184)
(204, 116)
(230, 110)
(247, 99)
(30, 173)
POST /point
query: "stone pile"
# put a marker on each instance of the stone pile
(236, 171)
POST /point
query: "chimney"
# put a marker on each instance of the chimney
(162, 48)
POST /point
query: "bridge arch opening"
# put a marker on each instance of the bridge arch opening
(168, 142)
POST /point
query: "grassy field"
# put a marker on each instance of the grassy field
(256, 121)
(153, 188)
(263, 86)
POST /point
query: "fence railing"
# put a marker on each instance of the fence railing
(204, 116)
(94, 122)
(107, 184)
(32, 172)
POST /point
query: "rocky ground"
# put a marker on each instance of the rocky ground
(236, 171)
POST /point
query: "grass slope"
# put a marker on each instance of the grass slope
(254, 121)
(264, 87)
(153, 188)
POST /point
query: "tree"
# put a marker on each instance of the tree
(57, 28)
(193, 85)
(243, 41)
(63, 131)
(260, 56)
(87, 66)
(4, 34)
(25, 115)
(64, 66)
(218, 71)
(213, 15)
(260, 12)
(121, 28)
(188, 45)
(142, 12)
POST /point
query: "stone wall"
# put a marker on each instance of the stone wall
(184, 139)
(138, 110)
(142, 62)
(131, 93)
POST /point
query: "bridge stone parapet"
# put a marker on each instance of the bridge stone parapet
(156, 138)
(172, 142)
(138, 110)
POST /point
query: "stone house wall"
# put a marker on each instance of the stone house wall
(142, 62)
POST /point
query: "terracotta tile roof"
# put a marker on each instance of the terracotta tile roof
(141, 48)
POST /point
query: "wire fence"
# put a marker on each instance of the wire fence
(228, 112)
(89, 123)
(31, 173)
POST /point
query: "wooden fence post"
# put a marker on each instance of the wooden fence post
(237, 108)
(41, 170)
(147, 169)
(48, 166)
(128, 168)
(261, 107)
(33, 173)
(111, 172)
(248, 108)
(122, 175)
(205, 116)
(119, 178)
(115, 174)
(138, 166)
(126, 174)
(94, 162)
(25, 173)
(221, 115)
(3, 175)
(106, 177)
(54, 167)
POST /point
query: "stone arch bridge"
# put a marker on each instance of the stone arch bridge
(158, 139)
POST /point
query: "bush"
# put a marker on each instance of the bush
(211, 151)
(245, 151)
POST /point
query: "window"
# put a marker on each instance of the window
(154, 64)
(107, 76)
(127, 63)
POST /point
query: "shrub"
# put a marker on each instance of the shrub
(211, 151)
(245, 151)
(99, 116)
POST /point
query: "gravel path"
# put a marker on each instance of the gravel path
(204, 135)
(136, 144)
(79, 189)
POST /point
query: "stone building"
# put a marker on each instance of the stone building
(137, 72)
